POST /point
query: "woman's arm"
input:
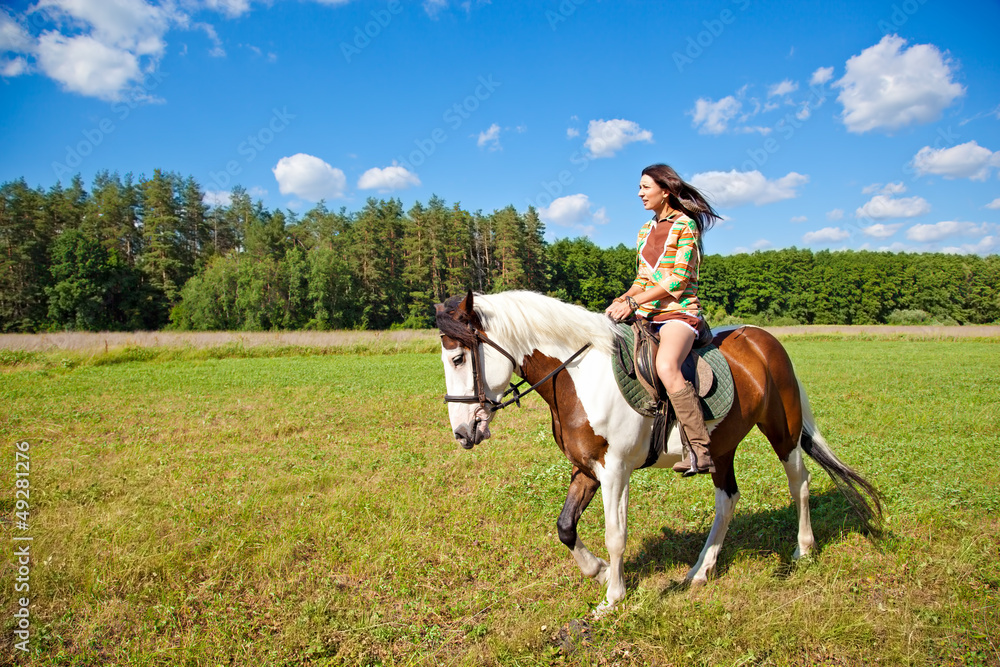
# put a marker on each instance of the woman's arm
(619, 310)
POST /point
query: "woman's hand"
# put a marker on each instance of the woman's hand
(618, 310)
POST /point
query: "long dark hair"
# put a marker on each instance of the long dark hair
(683, 196)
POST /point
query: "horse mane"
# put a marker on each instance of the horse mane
(526, 319)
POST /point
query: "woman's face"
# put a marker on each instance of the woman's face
(652, 195)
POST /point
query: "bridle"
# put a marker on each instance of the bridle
(488, 404)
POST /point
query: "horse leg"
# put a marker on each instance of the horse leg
(798, 486)
(615, 480)
(581, 491)
(727, 494)
(782, 425)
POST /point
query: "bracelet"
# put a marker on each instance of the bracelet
(618, 299)
(632, 303)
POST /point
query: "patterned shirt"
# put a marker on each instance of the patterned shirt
(668, 256)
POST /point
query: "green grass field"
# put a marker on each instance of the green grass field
(290, 508)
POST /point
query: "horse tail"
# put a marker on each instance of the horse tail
(860, 493)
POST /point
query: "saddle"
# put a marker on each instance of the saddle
(639, 363)
(634, 369)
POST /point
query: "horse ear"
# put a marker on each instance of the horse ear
(438, 309)
(465, 307)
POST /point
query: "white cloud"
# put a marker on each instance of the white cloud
(607, 137)
(391, 178)
(889, 87)
(896, 188)
(217, 197)
(713, 117)
(97, 48)
(736, 188)
(799, 218)
(216, 51)
(994, 205)
(941, 230)
(835, 214)
(572, 132)
(13, 36)
(231, 8)
(86, 66)
(225, 197)
(432, 7)
(968, 160)
(985, 246)
(895, 246)
(780, 89)
(881, 231)
(309, 177)
(575, 212)
(826, 235)
(821, 76)
(883, 207)
(490, 138)
(13, 67)
(131, 25)
(761, 244)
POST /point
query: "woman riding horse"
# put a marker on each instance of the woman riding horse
(665, 292)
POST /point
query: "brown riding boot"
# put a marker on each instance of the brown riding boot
(693, 432)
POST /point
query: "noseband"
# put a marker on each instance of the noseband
(484, 401)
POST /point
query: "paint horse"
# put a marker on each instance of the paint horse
(565, 351)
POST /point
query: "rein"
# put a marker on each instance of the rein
(485, 401)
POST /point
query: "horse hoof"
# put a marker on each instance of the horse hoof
(602, 610)
(804, 555)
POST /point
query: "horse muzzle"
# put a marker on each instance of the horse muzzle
(479, 431)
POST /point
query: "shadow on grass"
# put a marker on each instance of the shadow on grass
(761, 533)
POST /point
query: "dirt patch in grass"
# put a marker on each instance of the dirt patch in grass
(86, 342)
(937, 331)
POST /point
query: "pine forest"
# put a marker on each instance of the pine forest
(149, 253)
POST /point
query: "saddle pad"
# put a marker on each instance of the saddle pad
(623, 363)
(716, 401)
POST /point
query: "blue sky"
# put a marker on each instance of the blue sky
(811, 124)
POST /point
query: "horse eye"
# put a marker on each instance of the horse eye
(458, 359)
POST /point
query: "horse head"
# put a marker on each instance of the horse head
(475, 374)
